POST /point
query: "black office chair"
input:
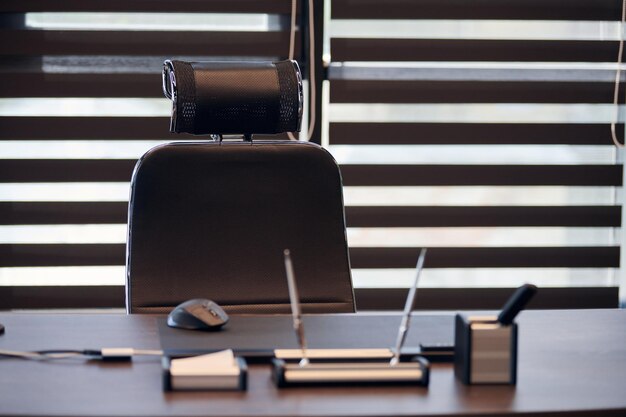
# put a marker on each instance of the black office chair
(211, 219)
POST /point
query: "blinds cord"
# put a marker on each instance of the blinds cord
(618, 76)
(312, 71)
(292, 43)
(292, 31)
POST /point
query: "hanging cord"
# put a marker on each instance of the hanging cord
(618, 76)
(292, 45)
(292, 38)
(312, 71)
(292, 32)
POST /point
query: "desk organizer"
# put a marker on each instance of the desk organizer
(205, 379)
(415, 372)
(485, 350)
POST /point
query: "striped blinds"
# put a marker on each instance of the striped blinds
(480, 129)
(80, 101)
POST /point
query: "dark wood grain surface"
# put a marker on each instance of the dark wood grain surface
(570, 363)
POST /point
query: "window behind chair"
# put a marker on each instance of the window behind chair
(477, 129)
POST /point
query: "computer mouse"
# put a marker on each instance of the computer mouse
(197, 314)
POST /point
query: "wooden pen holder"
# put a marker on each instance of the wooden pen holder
(485, 350)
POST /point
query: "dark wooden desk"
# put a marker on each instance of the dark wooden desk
(570, 363)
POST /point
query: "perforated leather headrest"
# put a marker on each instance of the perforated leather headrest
(233, 97)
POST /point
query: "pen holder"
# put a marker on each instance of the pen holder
(346, 372)
(485, 350)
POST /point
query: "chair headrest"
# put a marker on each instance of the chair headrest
(234, 97)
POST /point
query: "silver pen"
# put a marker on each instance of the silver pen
(408, 307)
(296, 312)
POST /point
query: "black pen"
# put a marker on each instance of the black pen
(516, 303)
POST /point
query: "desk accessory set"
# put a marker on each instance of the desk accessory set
(344, 369)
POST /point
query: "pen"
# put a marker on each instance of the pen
(408, 307)
(516, 303)
(296, 313)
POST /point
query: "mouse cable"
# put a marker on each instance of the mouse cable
(105, 354)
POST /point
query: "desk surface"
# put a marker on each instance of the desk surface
(570, 363)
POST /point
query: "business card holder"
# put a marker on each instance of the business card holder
(197, 376)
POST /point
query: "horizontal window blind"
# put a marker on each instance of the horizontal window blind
(80, 101)
(482, 131)
(477, 129)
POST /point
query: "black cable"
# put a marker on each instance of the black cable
(47, 352)
(106, 354)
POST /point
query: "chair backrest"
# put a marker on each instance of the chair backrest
(211, 220)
